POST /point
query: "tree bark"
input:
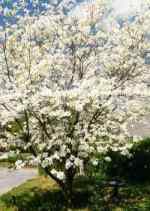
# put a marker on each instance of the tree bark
(68, 187)
(68, 194)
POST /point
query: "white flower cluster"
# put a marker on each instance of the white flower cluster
(19, 164)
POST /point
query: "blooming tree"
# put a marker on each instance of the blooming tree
(69, 92)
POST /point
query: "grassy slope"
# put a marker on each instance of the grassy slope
(42, 194)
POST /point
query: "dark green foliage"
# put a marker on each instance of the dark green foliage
(134, 168)
(140, 162)
(118, 167)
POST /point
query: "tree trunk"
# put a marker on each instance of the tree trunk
(68, 193)
(68, 188)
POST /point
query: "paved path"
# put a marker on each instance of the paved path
(12, 178)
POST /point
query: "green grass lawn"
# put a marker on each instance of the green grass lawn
(39, 194)
(42, 194)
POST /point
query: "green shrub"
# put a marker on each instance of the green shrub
(137, 167)
(118, 167)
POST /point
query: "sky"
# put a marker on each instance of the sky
(11, 10)
(125, 7)
(121, 7)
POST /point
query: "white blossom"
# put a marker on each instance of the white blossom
(107, 159)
